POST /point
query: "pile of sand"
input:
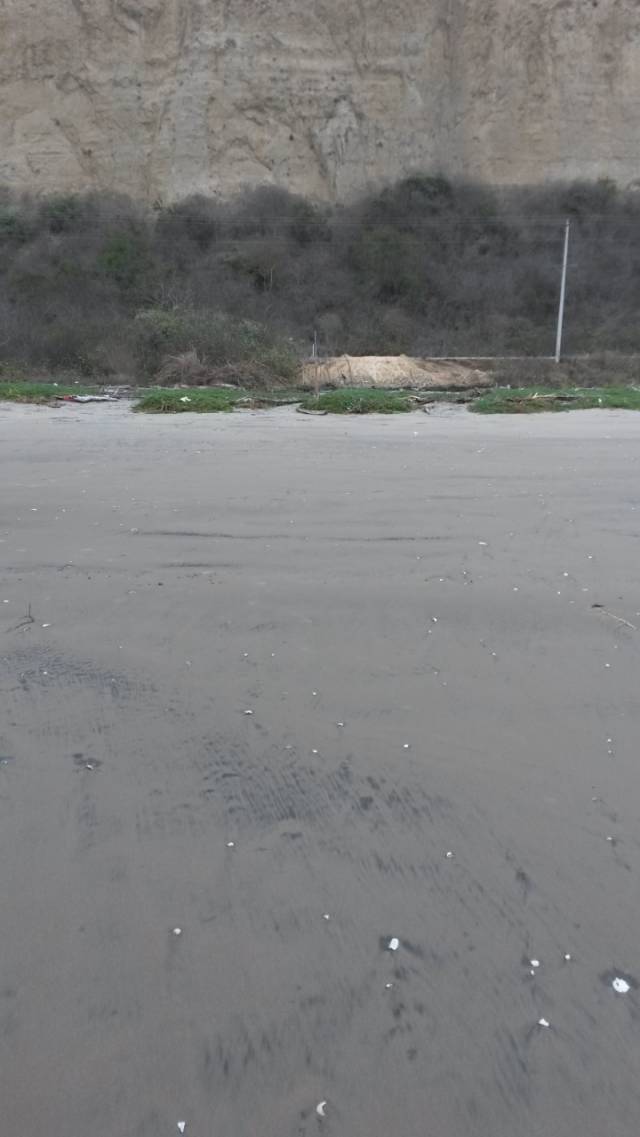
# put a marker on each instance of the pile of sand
(393, 371)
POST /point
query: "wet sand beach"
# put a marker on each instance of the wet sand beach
(276, 690)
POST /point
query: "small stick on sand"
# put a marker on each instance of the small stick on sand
(29, 619)
(614, 617)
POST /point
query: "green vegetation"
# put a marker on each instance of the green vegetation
(193, 346)
(604, 369)
(204, 290)
(360, 401)
(528, 401)
(21, 391)
(164, 402)
(211, 400)
(347, 401)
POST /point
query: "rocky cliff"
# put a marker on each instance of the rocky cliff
(162, 98)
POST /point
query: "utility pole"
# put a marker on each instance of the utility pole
(563, 291)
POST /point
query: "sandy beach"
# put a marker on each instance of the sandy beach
(277, 690)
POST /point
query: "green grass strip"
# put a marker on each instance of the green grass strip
(360, 401)
(17, 391)
(526, 401)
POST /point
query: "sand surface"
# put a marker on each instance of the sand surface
(405, 605)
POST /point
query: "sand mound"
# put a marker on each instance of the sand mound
(392, 371)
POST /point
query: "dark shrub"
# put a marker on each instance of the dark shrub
(426, 266)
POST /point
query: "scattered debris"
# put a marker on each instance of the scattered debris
(122, 391)
(46, 625)
(621, 985)
(543, 1022)
(567, 956)
(393, 944)
(449, 855)
(231, 844)
(534, 962)
(185, 399)
(621, 982)
(618, 619)
(86, 398)
(388, 986)
(326, 916)
(248, 712)
(182, 1125)
(406, 746)
(26, 622)
(321, 1108)
(177, 931)
(339, 724)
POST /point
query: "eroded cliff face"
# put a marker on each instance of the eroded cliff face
(161, 98)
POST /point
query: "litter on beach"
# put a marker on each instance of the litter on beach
(621, 986)
(86, 398)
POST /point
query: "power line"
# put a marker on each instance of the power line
(99, 216)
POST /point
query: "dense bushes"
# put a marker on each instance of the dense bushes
(98, 285)
(191, 338)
